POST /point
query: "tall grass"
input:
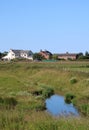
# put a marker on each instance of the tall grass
(16, 120)
(27, 81)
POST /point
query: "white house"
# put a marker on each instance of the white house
(12, 54)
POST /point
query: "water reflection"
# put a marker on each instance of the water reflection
(56, 105)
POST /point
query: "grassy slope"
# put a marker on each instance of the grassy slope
(19, 79)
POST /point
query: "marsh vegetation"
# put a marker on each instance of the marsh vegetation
(24, 86)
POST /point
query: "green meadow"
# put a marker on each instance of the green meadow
(25, 85)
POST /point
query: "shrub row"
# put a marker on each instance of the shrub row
(8, 102)
(45, 92)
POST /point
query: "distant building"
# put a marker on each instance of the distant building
(46, 54)
(12, 54)
(67, 56)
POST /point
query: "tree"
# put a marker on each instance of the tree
(37, 56)
(3, 54)
(55, 56)
(80, 55)
(86, 53)
(0, 55)
(83, 57)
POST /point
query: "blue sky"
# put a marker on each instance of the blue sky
(55, 25)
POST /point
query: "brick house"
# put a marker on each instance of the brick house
(46, 54)
(66, 56)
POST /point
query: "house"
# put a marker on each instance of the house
(12, 54)
(46, 54)
(66, 56)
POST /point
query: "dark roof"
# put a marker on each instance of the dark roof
(28, 52)
(18, 52)
(47, 52)
(67, 54)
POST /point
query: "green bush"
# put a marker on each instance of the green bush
(47, 92)
(9, 102)
(1, 100)
(69, 97)
(73, 80)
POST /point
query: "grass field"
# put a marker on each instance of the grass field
(22, 81)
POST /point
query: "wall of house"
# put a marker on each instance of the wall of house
(30, 58)
(67, 57)
(9, 56)
(24, 55)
